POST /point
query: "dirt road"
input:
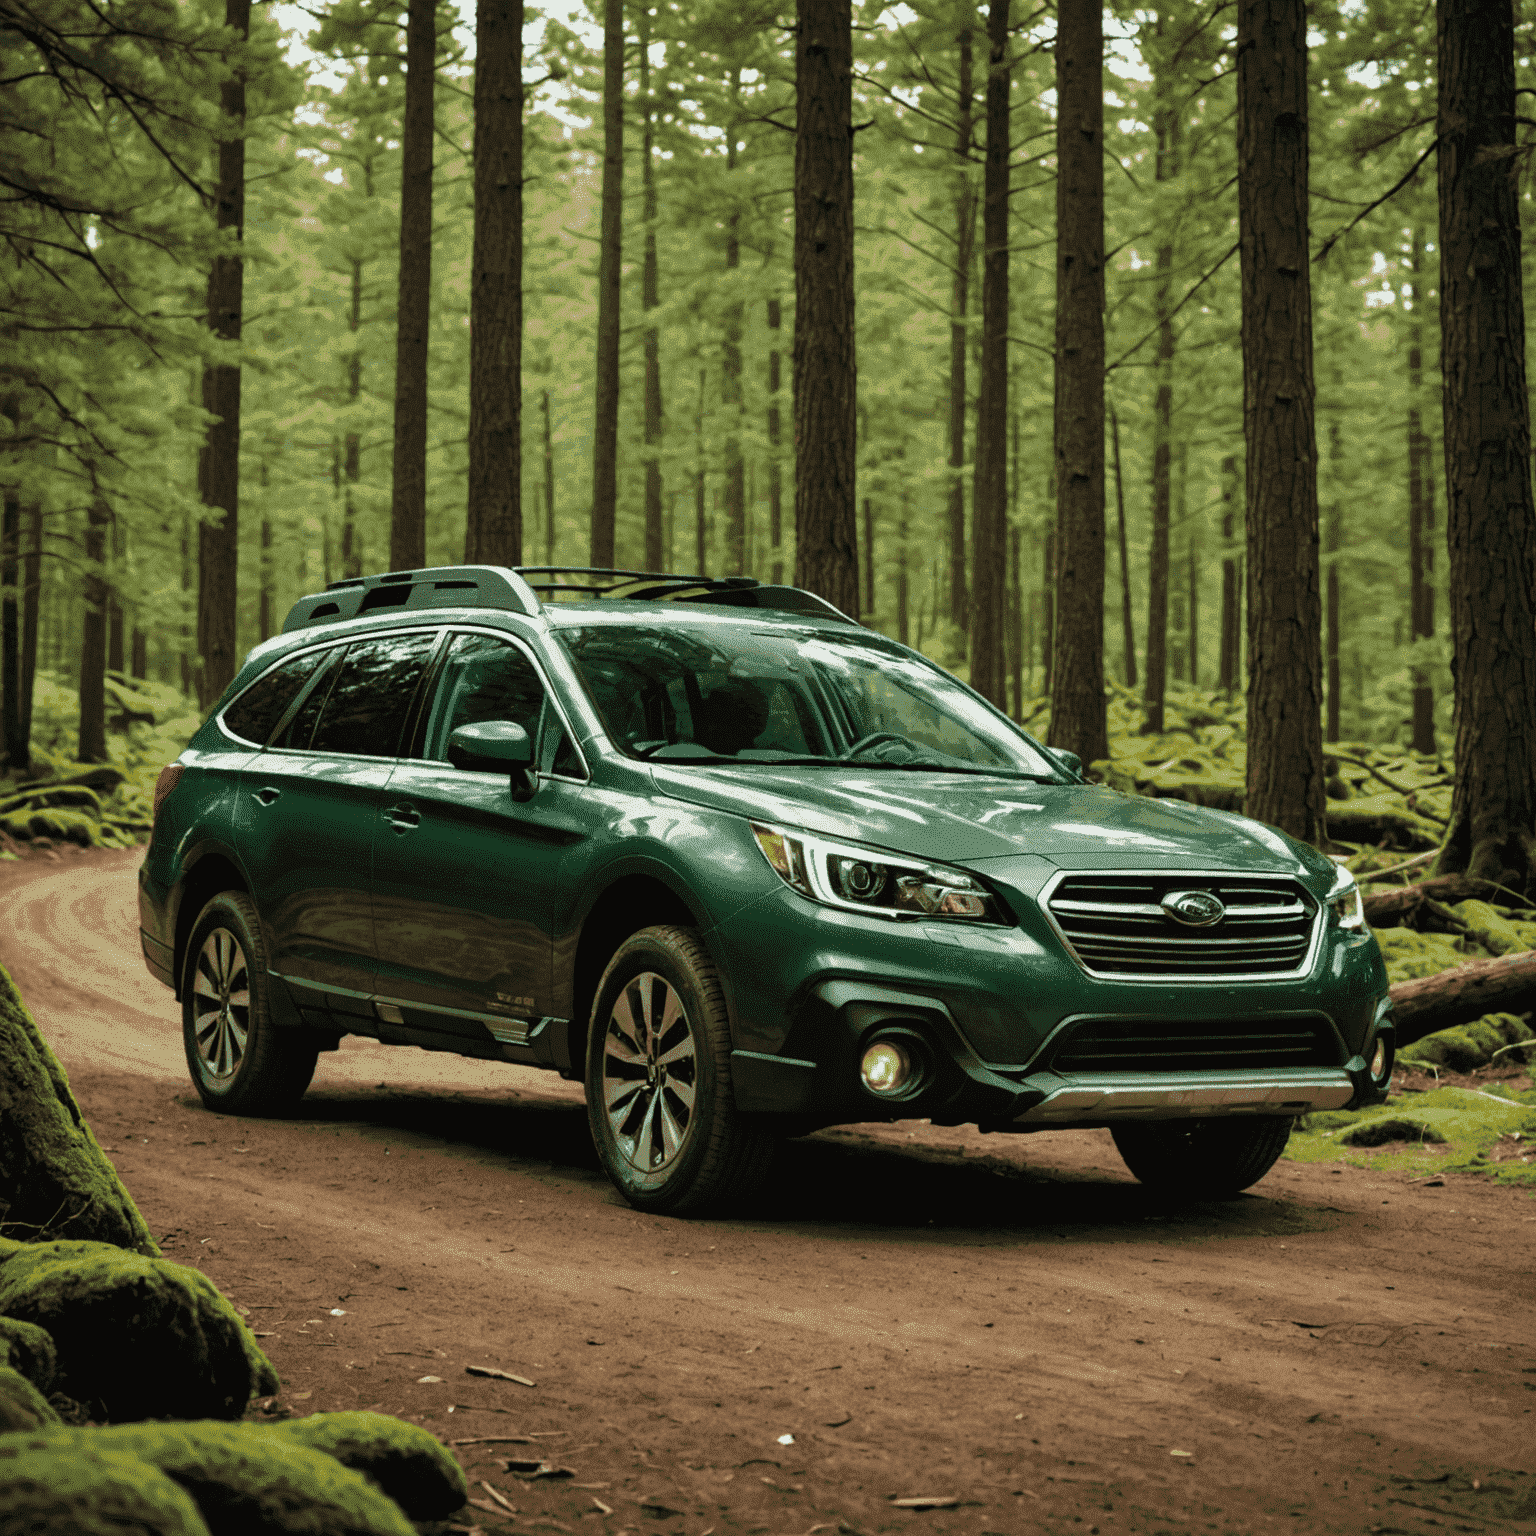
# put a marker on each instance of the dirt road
(1007, 1322)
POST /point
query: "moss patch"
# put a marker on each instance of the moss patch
(22, 1406)
(55, 1181)
(1468, 1046)
(412, 1466)
(29, 1349)
(89, 1492)
(1453, 1128)
(137, 1338)
(1410, 955)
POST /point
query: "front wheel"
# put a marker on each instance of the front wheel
(659, 1097)
(1202, 1159)
(241, 1063)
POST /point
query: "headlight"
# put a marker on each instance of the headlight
(862, 880)
(1345, 901)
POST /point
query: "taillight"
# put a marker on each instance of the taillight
(163, 786)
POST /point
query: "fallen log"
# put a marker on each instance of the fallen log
(1464, 993)
(1421, 905)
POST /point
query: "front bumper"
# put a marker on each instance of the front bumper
(1110, 1098)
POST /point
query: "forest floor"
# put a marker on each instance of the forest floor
(1010, 1323)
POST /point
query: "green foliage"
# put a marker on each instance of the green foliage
(1468, 1046)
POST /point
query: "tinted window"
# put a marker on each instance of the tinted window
(483, 678)
(567, 760)
(366, 707)
(257, 710)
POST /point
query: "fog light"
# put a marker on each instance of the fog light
(886, 1067)
(1379, 1059)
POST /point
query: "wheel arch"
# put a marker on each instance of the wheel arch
(639, 898)
(215, 870)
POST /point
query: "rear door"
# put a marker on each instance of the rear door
(464, 876)
(311, 806)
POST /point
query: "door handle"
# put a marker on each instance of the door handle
(265, 795)
(403, 817)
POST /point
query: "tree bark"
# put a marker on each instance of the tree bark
(989, 495)
(1400, 905)
(218, 467)
(264, 597)
(351, 465)
(1160, 554)
(700, 515)
(1078, 720)
(1490, 518)
(408, 498)
(824, 373)
(775, 432)
(730, 373)
(493, 533)
(118, 545)
(605, 427)
(1127, 623)
(31, 612)
(1335, 542)
(1285, 757)
(1231, 583)
(10, 628)
(549, 485)
(959, 330)
(93, 639)
(1421, 510)
(1464, 993)
(1192, 556)
(650, 299)
(903, 576)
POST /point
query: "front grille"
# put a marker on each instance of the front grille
(1159, 1045)
(1117, 927)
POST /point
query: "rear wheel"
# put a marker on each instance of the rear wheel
(659, 1085)
(1202, 1159)
(241, 1063)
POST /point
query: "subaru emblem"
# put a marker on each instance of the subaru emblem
(1196, 909)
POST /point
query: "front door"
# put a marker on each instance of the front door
(464, 875)
(310, 810)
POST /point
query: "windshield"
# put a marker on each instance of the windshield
(704, 692)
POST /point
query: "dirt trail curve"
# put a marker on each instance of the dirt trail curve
(1007, 1322)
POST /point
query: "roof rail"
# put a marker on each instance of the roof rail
(519, 590)
(441, 586)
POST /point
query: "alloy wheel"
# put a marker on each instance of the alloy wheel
(650, 1073)
(221, 1005)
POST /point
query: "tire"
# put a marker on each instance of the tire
(241, 1063)
(658, 1081)
(1202, 1159)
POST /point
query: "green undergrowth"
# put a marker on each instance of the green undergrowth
(1488, 1131)
(105, 805)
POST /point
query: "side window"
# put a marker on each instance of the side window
(482, 678)
(567, 761)
(254, 714)
(366, 707)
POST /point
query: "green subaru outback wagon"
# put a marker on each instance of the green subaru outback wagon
(742, 867)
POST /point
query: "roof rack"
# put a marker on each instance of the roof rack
(520, 589)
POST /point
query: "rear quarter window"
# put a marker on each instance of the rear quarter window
(254, 715)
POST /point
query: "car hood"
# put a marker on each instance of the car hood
(965, 818)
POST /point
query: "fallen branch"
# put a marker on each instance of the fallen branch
(1464, 993)
(1378, 875)
(1419, 905)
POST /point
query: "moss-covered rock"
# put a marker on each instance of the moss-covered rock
(1498, 934)
(1386, 1128)
(29, 1349)
(22, 1406)
(1468, 1046)
(137, 1338)
(54, 1178)
(89, 1492)
(1409, 955)
(244, 1479)
(412, 1466)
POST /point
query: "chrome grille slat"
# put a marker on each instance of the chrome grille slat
(1116, 928)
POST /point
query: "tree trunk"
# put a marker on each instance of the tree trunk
(138, 654)
(1192, 554)
(10, 628)
(1015, 622)
(867, 560)
(1490, 519)
(493, 533)
(700, 514)
(31, 610)
(408, 498)
(1285, 757)
(1127, 623)
(1048, 610)
(1464, 993)
(650, 299)
(119, 545)
(605, 427)
(823, 372)
(775, 430)
(730, 373)
(549, 485)
(1231, 583)
(1335, 542)
(1078, 720)
(989, 495)
(903, 578)
(93, 638)
(1421, 510)
(959, 331)
(218, 470)
(351, 465)
(189, 676)
(264, 614)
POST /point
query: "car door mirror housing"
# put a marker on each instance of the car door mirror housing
(495, 746)
(1069, 760)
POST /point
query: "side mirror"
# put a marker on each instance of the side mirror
(496, 746)
(1068, 760)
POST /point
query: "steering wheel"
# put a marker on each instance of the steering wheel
(873, 739)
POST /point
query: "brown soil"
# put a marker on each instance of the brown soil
(1009, 1322)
